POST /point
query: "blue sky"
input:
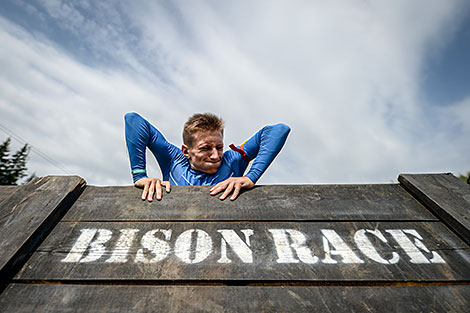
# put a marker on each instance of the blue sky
(447, 73)
(370, 89)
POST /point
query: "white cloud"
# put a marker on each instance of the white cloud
(345, 76)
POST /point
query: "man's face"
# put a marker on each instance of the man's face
(206, 152)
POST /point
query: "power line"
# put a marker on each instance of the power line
(35, 150)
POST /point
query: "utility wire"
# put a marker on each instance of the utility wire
(35, 150)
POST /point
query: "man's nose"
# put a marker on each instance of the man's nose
(214, 154)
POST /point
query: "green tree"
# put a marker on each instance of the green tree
(12, 168)
(465, 178)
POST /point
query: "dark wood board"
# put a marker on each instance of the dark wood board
(281, 202)
(13, 195)
(45, 283)
(6, 192)
(28, 216)
(105, 298)
(446, 195)
(50, 261)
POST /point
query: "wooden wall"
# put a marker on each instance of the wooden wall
(400, 247)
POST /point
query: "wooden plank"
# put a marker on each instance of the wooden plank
(445, 195)
(28, 216)
(6, 192)
(283, 202)
(190, 251)
(9, 212)
(12, 195)
(82, 298)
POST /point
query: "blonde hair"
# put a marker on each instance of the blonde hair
(201, 122)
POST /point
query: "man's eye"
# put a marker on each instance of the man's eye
(220, 148)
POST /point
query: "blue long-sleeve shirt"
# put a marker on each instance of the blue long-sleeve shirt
(263, 147)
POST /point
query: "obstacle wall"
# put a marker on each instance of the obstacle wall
(66, 246)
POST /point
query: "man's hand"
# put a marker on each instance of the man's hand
(152, 186)
(232, 184)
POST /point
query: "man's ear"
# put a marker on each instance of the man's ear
(185, 150)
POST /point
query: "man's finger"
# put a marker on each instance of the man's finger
(227, 191)
(236, 191)
(214, 187)
(158, 188)
(167, 186)
(151, 190)
(218, 188)
(146, 190)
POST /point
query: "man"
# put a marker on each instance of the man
(201, 160)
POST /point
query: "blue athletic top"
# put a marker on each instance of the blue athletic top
(263, 147)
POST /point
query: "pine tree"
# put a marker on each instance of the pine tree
(4, 162)
(12, 168)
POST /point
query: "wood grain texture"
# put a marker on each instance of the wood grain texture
(13, 195)
(6, 192)
(82, 298)
(446, 195)
(29, 214)
(47, 262)
(282, 202)
(45, 283)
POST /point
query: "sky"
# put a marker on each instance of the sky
(370, 89)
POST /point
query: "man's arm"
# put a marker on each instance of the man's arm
(263, 147)
(140, 134)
